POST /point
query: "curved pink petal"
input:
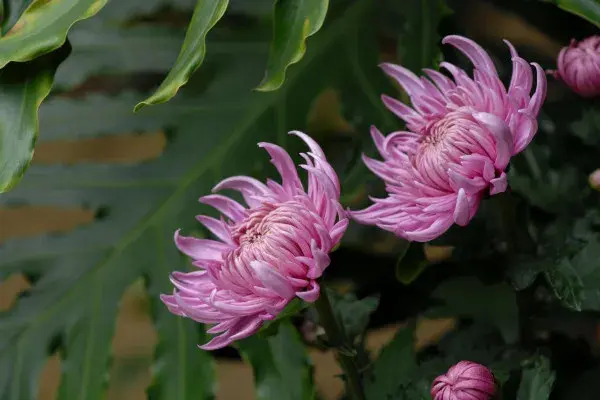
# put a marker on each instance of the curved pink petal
(272, 279)
(204, 249)
(226, 206)
(285, 166)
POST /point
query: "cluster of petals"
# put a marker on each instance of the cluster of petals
(464, 381)
(579, 66)
(462, 133)
(267, 253)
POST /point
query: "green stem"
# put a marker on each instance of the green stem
(338, 339)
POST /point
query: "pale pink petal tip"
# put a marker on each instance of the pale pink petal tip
(579, 66)
(464, 381)
(463, 128)
(267, 250)
(595, 179)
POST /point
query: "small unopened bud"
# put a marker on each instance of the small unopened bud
(464, 381)
(595, 179)
(579, 66)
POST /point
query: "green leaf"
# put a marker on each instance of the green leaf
(541, 184)
(43, 27)
(182, 370)
(419, 41)
(282, 368)
(78, 277)
(576, 281)
(573, 270)
(537, 380)
(588, 9)
(206, 15)
(293, 22)
(587, 126)
(354, 314)
(411, 264)
(566, 283)
(393, 367)
(523, 272)
(493, 304)
(12, 10)
(23, 87)
(293, 308)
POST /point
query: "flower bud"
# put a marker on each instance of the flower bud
(464, 381)
(595, 179)
(579, 66)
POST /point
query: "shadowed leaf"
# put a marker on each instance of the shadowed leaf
(282, 368)
(537, 380)
(23, 87)
(588, 9)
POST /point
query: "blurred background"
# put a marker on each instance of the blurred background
(537, 29)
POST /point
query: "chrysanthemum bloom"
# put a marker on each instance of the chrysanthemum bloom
(579, 66)
(267, 253)
(595, 179)
(463, 132)
(464, 381)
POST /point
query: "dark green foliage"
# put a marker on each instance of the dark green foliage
(282, 369)
(522, 280)
(537, 380)
(82, 274)
(393, 368)
(494, 304)
(353, 313)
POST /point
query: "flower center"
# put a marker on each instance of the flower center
(271, 233)
(254, 228)
(436, 133)
(444, 142)
(443, 139)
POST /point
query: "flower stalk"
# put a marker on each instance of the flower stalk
(338, 339)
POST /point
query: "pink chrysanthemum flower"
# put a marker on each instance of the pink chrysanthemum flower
(267, 253)
(579, 66)
(464, 381)
(463, 132)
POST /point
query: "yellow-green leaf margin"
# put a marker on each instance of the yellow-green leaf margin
(43, 27)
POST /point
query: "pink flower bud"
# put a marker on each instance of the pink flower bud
(464, 381)
(595, 179)
(579, 66)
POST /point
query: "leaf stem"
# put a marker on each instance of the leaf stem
(338, 339)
